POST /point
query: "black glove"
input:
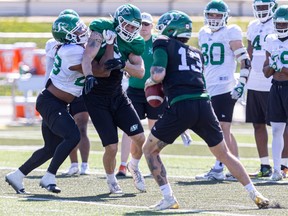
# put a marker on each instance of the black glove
(114, 64)
(90, 82)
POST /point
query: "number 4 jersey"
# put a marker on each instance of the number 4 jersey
(219, 60)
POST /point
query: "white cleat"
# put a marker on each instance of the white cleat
(48, 181)
(73, 170)
(166, 203)
(114, 188)
(213, 174)
(138, 178)
(276, 176)
(15, 179)
(259, 199)
(85, 170)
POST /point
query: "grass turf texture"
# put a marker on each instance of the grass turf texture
(88, 195)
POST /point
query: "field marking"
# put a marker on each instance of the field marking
(187, 211)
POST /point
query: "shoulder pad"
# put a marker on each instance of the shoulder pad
(161, 41)
(100, 24)
(138, 46)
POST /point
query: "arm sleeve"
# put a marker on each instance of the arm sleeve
(160, 58)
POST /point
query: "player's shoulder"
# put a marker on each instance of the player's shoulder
(70, 49)
(271, 37)
(100, 24)
(204, 29)
(233, 28)
(50, 44)
(137, 45)
(253, 23)
(161, 41)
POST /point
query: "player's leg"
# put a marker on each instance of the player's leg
(284, 160)
(99, 109)
(208, 128)
(133, 128)
(256, 110)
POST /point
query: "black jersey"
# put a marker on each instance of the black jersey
(184, 72)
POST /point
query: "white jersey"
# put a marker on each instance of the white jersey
(220, 63)
(277, 47)
(67, 80)
(50, 49)
(256, 33)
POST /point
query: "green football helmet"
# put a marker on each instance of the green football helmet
(175, 24)
(69, 29)
(264, 9)
(280, 20)
(128, 21)
(68, 11)
(220, 8)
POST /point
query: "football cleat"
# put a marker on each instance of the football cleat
(122, 171)
(15, 179)
(213, 174)
(48, 182)
(73, 170)
(186, 138)
(85, 170)
(265, 171)
(230, 177)
(138, 178)
(259, 199)
(276, 175)
(114, 188)
(166, 203)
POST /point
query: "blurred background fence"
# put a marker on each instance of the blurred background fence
(104, 7)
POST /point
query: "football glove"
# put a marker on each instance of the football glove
(90, 82)
(114, 64)
(109, 36)
(149, 82)
(237, 91)
(275, 63)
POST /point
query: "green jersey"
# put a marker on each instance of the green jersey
(148, 59)
(122, 48)
(112, 85)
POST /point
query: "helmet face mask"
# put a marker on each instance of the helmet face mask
(264, 9)
(216, 14)
(175, 24)
(280, 20)
(128, 22)
(69, 29)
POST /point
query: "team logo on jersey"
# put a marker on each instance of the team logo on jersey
(133, 127)
(150, 51)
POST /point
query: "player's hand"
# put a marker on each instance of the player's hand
(149, 82)
(90, 82)
(237, 91)
(109, 36)
(114, 64)
(275, 63)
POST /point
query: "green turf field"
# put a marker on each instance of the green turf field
(88, 195)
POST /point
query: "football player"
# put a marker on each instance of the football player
(221, 44)
(77, 109)
(65, 82)
(180, 69)
(276, 65)
(107, 104)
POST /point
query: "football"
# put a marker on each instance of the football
(155, 95)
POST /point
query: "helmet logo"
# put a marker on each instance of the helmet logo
(124, 11)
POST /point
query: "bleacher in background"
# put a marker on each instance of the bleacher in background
(105, 7)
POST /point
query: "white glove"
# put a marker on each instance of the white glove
(149, 82)
(109, 36)
(275, 63)
(237, 91)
